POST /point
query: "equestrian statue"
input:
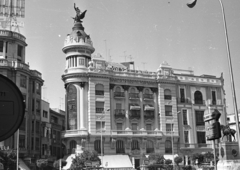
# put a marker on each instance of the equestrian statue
(79, 16)
(227, 131)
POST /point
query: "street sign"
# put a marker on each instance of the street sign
(12, 108)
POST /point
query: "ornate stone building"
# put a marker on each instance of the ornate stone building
(136, 112)
(13, 65)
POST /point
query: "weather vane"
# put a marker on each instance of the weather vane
(79, 16)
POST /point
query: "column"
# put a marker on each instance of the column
(4, 49)
(112, 111)
(140, 89)
(154, 90)
(125, 87)
(82, 106)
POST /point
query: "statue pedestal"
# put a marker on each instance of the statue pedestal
(229, 158)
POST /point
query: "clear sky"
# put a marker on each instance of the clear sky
(150, 31)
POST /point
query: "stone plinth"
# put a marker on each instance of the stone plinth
(229, 158)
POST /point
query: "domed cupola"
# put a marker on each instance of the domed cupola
(78, 47)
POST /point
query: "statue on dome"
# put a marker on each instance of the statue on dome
(79, 16)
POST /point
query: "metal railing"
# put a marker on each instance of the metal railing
(148, 96)
(119, 94)
(133, 95)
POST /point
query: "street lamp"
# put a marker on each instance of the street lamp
(101, 135)
(193, 3)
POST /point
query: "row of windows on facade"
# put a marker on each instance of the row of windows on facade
(120, 146)
(35, 85)
(19, 48)
(199, 119)
(133, 93)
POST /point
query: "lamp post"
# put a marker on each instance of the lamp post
(229, 66)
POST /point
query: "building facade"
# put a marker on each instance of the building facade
(57, 120)
(46, 130)
(12, 65)
(113, 109)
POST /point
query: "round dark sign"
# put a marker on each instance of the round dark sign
(12, 108)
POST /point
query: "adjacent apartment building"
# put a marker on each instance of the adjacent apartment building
(114, 109)
(12, 65)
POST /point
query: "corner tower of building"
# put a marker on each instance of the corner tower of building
(78, 48)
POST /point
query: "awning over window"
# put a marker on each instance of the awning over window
(117, 162)
(134, 107)
(148, 107)
(22, 165)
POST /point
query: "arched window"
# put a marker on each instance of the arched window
(72, 146)
(168, 146)
(99, 89)
(147, 91)
(198, 99)
(117, 89)
(72, 107)
(150, 146)
(135, 145)
(167, 94)
(132, 90)
(120, 146)
(133, 94)
(97, 146)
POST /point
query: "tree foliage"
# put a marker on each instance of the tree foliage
(8, 158)
(155, 158)
(178, 160)
(208, 156)
(80, 159)
(199, 157)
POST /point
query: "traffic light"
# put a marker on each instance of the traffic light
(213, 127)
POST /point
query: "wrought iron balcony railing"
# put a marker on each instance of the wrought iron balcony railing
(119, 113)
(119, 94)
(148, 96)
(133, 95)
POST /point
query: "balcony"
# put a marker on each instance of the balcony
(133, 95)
(74, 133)
(134, 114)
(99, 110)
(99, 92)
(167, 97)
(199, 102)
(195, 145)
(147, 96)
(184, 100)
(119, 95)
(149, 114)
(119, 113)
